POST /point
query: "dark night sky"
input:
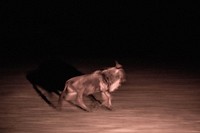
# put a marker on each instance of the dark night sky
(126, 29)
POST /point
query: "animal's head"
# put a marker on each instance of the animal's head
(119, 72)
(114, 76)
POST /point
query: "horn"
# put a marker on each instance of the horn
(117, 65)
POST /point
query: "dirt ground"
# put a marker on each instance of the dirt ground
(153, 100)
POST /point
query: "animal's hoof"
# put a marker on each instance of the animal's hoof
(110, 108)
(106, 107)
(88, 110)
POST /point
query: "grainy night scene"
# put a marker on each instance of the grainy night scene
(100, 81)
(56, 60)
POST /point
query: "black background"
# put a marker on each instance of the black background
(142, 30)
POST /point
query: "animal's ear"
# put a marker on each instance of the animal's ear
(117, 65)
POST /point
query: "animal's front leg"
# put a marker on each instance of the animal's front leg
(106, 99)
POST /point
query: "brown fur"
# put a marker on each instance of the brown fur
(101, 81)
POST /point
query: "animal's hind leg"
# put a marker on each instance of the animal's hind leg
(80, 102)
(60, 100)
(68, 97)
(71, 93)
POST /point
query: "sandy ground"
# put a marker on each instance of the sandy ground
(151, 101)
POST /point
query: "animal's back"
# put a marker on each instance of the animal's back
(90, 83)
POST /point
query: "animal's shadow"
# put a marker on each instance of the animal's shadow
(50, 77)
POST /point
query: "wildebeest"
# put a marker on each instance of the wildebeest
(100, 81)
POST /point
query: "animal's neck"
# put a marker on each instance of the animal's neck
(106, 79)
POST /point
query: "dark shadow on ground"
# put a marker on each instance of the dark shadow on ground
(50, 77)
